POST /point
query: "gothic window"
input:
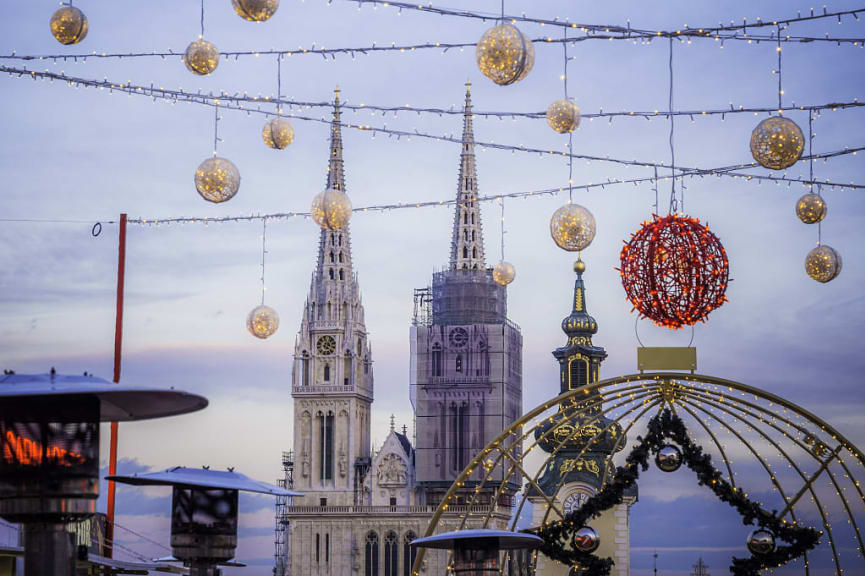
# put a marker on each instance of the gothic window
(347, 372)
(371, 555)
(474, 252)
(340, 239)
(473, 218)
(466, 235)
(465, 216)
(459, 363)
(578, 373)
(453, 437)
(408, 553)
(340, 274)
(305, 368)
(317, 546)
(391, 554)
(331, 256)
(326, 432)
(437, 360)
(473, 235)
(327, 547)
(330, 273)
(366, 365)
(327, 372)
(465, 252)
(340, 256)
(463, 437)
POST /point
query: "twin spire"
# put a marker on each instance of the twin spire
(467, 244)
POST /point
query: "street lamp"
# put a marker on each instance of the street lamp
(476, 552)
(49, 453)
(203, 512)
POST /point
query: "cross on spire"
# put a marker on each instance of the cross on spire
(467, 243)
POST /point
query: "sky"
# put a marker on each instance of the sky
(83, 155)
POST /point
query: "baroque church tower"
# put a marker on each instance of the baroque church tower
(332, 377)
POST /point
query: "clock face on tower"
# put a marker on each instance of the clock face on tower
(458, 337)
(575, 501)
(326, 345)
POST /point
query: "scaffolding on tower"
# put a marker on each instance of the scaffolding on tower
(281, 540)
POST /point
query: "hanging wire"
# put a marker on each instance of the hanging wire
(215, 128)
(570, 134)
(263, 252)
(780, 89)
(502, 202)
(673, 203)
(202, 18)
(811, 172)
(655, 188)
(278, 85)
(503, 11)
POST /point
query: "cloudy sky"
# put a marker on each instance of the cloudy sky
(86, 155)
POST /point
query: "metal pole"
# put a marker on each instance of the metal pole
(118, 340)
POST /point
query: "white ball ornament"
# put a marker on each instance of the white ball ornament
(255, 10)
(504, 54)
(823, 263)
(563, 116)
(504, 273)
(278, 133)
(69, 25)
(811, 208)
(262, 322)
(777, 143)
(201, 57)
(331, 209)
(217, 179)
(572, 227)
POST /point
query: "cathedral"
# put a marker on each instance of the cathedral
(361, 508)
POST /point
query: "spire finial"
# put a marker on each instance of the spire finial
(579, 266)
(391, 422)
(467, 241)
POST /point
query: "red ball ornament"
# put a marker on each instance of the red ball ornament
(674, 271)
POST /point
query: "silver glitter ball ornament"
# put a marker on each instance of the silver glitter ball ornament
(668, 458)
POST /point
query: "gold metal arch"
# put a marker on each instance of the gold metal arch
(752, 419)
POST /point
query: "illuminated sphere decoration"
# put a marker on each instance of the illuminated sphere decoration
(504, 54)
(777, 143)
(262, 322)
(761, 542)
(811, 208)
(586, 539)
(69, 25)
(255, 10)
(572, 227)
(201, 57)
(674, 271)
(668, 458)
(563, 116)
(217, 179)
(823, 263)
(331, 209)
(504, 273)
(278, 133)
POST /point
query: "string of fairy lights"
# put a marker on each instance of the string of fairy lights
(505, 55)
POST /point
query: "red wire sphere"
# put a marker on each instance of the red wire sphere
(674, 271)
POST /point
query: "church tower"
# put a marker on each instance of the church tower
(466, 356)
(332, 377)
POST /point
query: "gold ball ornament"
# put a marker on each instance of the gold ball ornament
(69, 25)
(262, 322)
(278, 133)
(201, 57)
(777, 143)
(504, 273)
(811, 208)
(504, 54)
(255, 10)
(823, 263)
(563, 116)
(331, 209)
(572, 227)
(217, 179)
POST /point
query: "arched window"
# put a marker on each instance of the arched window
(465, 251)
(473, 218)
(437, 360)
(465, 217)
(578, 373)
(330, 273)
(327, 372)
(304, 362)
(340, 274)
(391, 554)
(331, 256)
(340, 255)
(408, 553)
(473, 235)
(366, 365)
(474, 252)
(370, 556)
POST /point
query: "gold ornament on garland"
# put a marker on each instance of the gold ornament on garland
(777, 143)
(504, 273)
(201, 57)
(504, 54)
(278, 133)
(255, 10)
(823, 263)
(217, 179)
(262, 322)
(572, 227)
(563, 116)
(69, 25)
(331, 209)
(811, 208)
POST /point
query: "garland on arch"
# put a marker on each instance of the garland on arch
(558, 536)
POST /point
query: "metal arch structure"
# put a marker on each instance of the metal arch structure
(789, 458)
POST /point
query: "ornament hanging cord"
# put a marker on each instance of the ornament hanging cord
(673, 203)
(215, 128)
(571, 133)
(811, 172)
(502, 201)
(263, 252)
(202, 18)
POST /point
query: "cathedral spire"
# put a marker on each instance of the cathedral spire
(335, 173)
(467, 244)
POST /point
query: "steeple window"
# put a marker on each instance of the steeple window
(437, 360)
(340, 274)
(331, 256)
(391, 554)
(578, 372)
(465, 252)
(330, 273)
(327, 372)
(325, 426)
(370, 560)
(304, 363)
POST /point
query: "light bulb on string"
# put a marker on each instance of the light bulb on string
(217, 179)
(262, 321)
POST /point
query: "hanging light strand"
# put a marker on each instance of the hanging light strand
(215, 128)
(673, 202)
(780, 87)
(811, 172)
(502, 202)
(570, 133)
(263, 253)
(278, 85)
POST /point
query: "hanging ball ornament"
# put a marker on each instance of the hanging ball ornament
(278, 133)
(777, 143)
(201, 57)
(761, 542)
(811, 208)
(668, 458)
(823, 263)
(586, 539)
(563, 116)
(331, 209)
(572, 227)
(504, 273)
(262, 322)
(217, 179)
(255, 10)
(674, 271)
(69, 25)
(504, 54)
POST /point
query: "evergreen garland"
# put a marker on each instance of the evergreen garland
(557, 536)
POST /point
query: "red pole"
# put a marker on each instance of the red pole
(118, 340)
